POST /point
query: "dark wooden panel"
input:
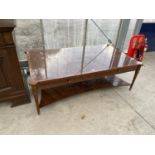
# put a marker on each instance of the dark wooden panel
(13, 89)
(6, 39)
(3, 82)
(11, 81)
(4, 69)
(1, 39)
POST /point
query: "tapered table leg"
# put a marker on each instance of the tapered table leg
(36, 97)
(135, 76)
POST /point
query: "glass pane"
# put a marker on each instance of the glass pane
(129, 34)
(110, 28)
(96, 42)
(59, 33)
(27, 36)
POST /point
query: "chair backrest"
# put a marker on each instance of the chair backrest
(137, 47)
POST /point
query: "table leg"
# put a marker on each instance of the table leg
(135, 76)
(36, 97)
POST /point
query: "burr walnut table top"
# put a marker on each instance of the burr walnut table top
(66, 62)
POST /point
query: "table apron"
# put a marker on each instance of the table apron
(78, 78)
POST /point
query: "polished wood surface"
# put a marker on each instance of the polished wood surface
(11, 82)
(60, 63)
(62, 67)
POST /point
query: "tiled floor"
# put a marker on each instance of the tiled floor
(105, 111)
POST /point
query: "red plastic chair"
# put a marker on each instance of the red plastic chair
(138, 44)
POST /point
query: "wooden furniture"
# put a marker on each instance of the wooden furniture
(11, 82)
(56, 74)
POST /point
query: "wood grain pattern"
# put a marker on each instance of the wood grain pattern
(11, 82)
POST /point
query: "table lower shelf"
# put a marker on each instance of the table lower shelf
(55, 94)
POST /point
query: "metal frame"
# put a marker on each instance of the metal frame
(138, 26)
(84, 43)
(122, 33)
(118, 35)
(109, 40)
(43, 42)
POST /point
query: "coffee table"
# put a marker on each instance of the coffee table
(57, 73)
